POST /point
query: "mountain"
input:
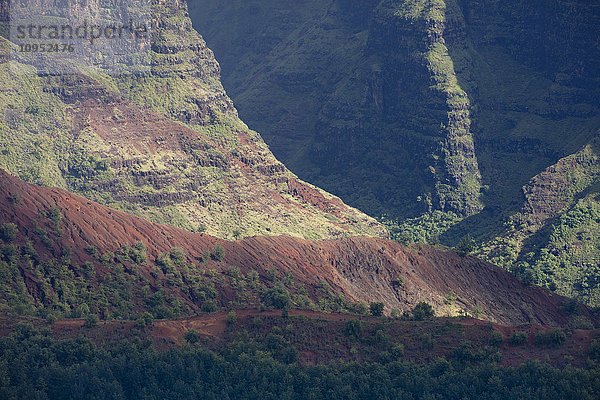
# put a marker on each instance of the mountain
(447, 118)
(167, 145)
(66, 255)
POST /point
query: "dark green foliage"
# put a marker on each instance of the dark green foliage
(464, 352)
(209, 306)
(192, 336)
(41, 367)
(54, 214)
(218, 253)
(422, 311)
(571, 306)
(376, 309)
(466, 245)
(231, 318)
(518, 338)
(178, 256)
(397, 350)
(137, 253)
(8, 231)
(278, 296)
(144, 320)
(353, 328)
(495, 339)
(93, 251)
(554, 338)
(595, 350)
(557, 337)
(581, 322)
(91, 320)
(14, 198)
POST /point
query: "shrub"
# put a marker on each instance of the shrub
(541, 338)
(398, 350)
(570, 306)
(231, 318)
(92, 251)
(595, 349)
(581, 322)
(376, 309)
(54, 214)
(518, 338)
(8, 231)
(91, 320)
(178, 256)
(465, 246)
(495, 339)
(14, 198)
(353, 328)
(191, 336)
(289, 355)
(209, 306)
(144, 320)
(427, 341)
(165, 263)
(137, 252)
(556, 337)
(464, 352)
(218, 253)
(422, 311)
(201, 228)
(278, 297)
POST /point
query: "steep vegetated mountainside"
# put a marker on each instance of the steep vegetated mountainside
(64, 255)
(371, 88)
(422, 103)
(167, 146)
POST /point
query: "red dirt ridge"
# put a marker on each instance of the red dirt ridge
(361, 268)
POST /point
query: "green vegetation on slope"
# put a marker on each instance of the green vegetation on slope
(200, 169)
(367, 85)
(520, 77)
(36, 366)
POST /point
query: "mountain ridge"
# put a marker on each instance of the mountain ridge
(90, 241)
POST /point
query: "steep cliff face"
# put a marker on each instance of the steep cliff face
(420, 98)
(167, 145)
(530, 69)
(369, 86)
(420, 86)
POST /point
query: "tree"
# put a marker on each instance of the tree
(8, 231)
(495, 339)
(278, 297)
(231, 318)
(144, 320)
(91, 320)
(422, 311)
(219, 253)
(466, 245)
(353, 328)
(191, 336)
(376, 309)
(209, 306)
